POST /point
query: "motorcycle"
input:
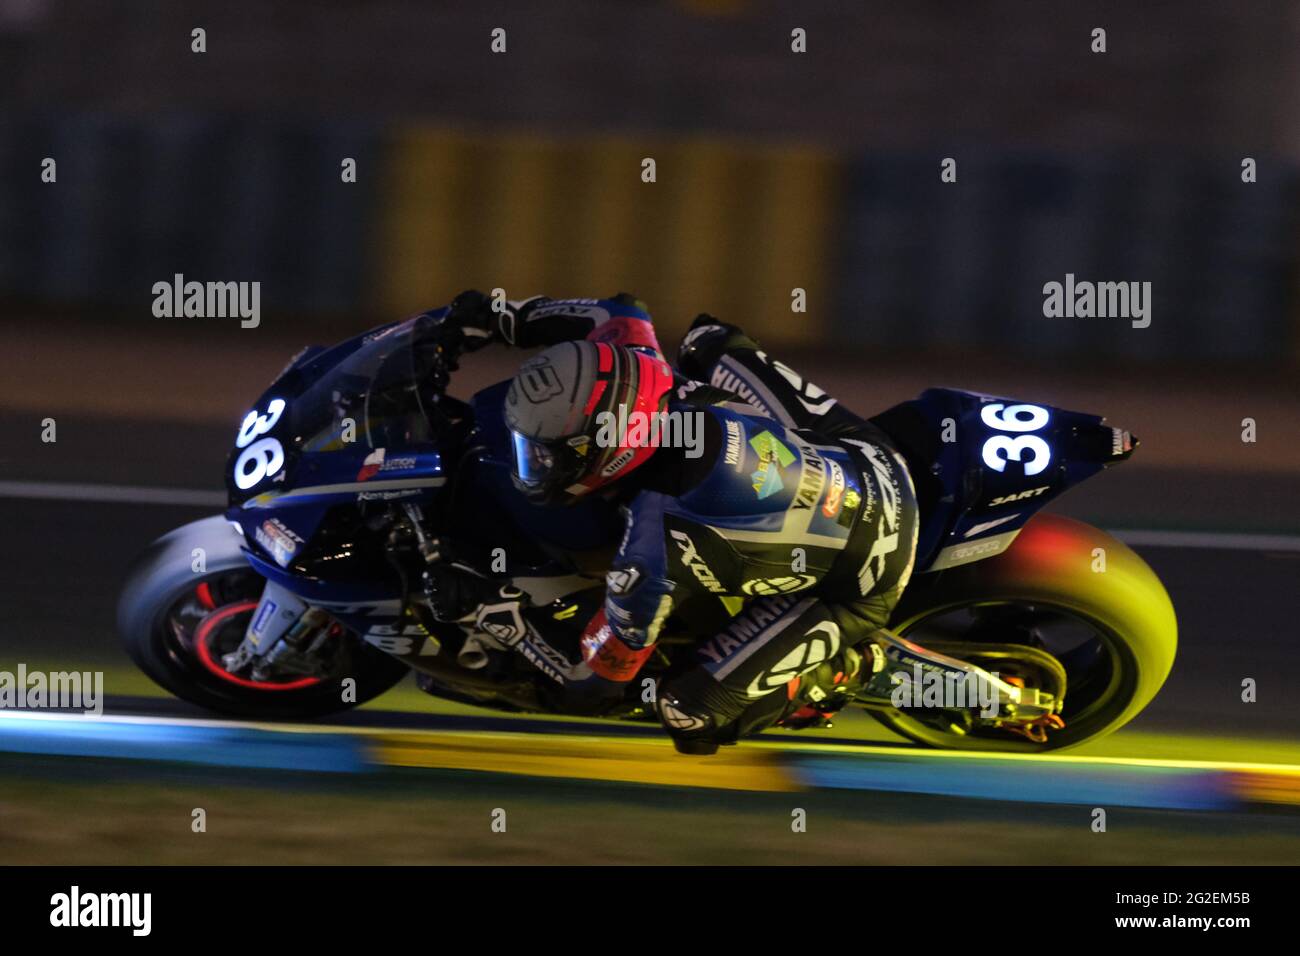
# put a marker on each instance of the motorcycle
(356, 472)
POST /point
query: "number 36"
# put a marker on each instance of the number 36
(261, 458)
(1030, 451)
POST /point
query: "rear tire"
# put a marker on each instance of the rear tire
(161, 581)
(1050, 569)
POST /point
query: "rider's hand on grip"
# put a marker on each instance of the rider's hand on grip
(484, 319)
(472, 313)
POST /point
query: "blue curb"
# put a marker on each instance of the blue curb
(1021, 781)
(212, 746)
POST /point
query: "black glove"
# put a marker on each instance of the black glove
(481, 322)
(471, 312)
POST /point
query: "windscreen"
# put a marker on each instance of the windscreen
(371, 399)
(378, 396)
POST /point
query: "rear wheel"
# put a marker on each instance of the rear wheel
(177, 624)
(1063, 588)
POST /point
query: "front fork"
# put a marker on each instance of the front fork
(283, 636)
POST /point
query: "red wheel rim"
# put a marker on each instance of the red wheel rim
(204, 653)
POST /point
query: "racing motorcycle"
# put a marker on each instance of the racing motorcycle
(356, 473)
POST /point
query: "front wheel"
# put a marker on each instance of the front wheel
(177, 623)
(1063, 587)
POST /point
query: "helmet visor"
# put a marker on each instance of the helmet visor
(535, 461)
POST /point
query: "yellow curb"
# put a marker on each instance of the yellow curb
(583, 758)
(1259, 787)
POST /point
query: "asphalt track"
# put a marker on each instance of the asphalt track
(1226, 545)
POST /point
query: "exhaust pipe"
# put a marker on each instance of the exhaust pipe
(473, 654)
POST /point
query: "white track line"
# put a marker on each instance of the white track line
(140, 494)
(126, 494)
(1218, 540)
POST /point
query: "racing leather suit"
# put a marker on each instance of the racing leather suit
(790, 502)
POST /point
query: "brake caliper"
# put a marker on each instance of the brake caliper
(1036, 729)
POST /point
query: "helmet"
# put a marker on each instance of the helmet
(568, 410)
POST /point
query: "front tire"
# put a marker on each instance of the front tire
(1057, 570)
(168, 612)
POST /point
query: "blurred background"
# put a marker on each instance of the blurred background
(775, 170)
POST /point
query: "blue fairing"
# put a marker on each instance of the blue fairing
(984, 465)
(348, 430)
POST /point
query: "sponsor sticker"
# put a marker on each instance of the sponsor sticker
(1017, 496)
(812, 476)
(835, 491)
(735, 453)
(264, 615)
(730, 382)
(378, 463)
(618, 464)
(371, 464)
(392, 495)
(699, 567)
(773, 456)
(280, 542)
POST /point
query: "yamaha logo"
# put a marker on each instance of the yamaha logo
(822, 641)
(622, 581)
(785, 585)
(678, 719)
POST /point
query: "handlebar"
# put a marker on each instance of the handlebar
(436, 347)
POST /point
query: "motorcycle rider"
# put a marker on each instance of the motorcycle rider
(783, 498)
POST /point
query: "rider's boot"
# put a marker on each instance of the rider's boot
(822, 692)
(700, 714)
